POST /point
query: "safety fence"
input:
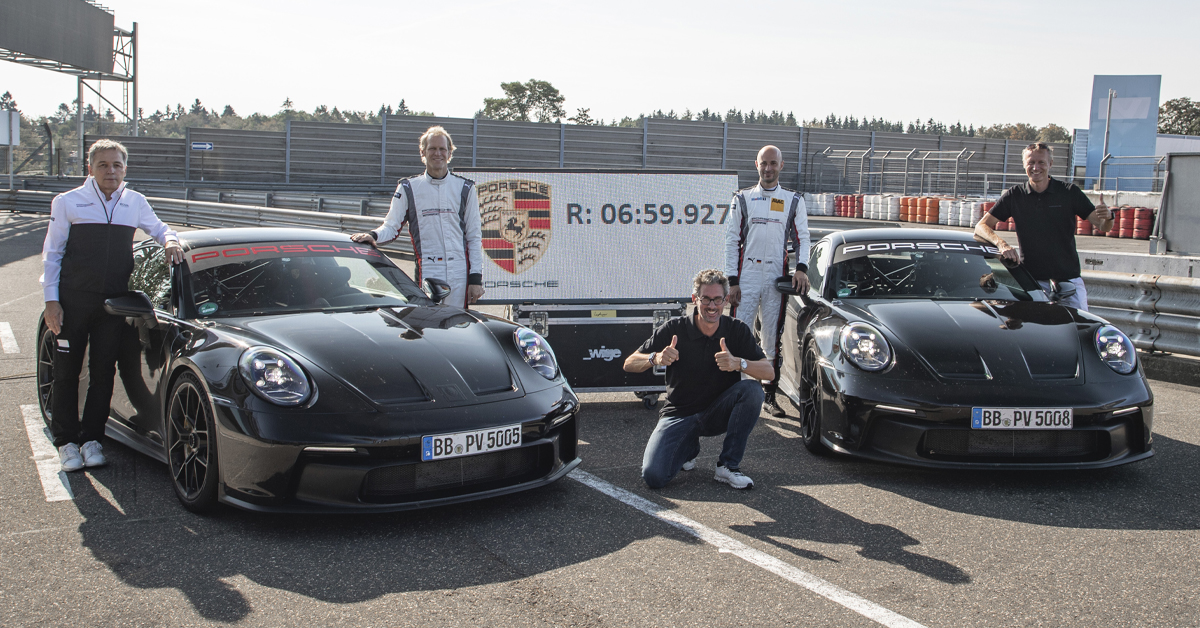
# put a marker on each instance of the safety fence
(816, 160)
(1158, 312)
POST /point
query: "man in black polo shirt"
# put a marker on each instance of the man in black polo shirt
(707, 393)
(1044, 209)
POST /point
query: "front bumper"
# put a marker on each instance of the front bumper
(360, 471)
(955, 445)
(928, 424)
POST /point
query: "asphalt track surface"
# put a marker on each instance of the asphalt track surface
(818, 542)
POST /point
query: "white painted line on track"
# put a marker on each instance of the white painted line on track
(54, 480)
(20, 298)
(7, 339)
(728, 544)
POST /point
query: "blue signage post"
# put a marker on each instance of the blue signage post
(1132, 131)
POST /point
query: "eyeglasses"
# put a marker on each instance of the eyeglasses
(712, 300)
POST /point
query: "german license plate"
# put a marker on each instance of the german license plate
(1022, 418)
(470, 443)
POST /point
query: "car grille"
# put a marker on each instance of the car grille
(1013, 444)
(501, 468)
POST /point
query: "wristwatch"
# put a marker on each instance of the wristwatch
(653, 355)
(744, 364)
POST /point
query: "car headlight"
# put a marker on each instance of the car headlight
(536, 352)
(274, 376)
(1116, 350)
(866, 347)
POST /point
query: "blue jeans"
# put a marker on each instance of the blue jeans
(1077, 301)
(677, 439)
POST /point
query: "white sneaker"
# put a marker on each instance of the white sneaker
(93, 454)
(689, 465)
(734, 478)
(69, 456)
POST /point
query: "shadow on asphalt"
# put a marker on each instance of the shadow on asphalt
(342, 559)
(21, 236)
(1154, 494)
(345, 559)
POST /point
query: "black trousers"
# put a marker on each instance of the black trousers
(86, 328)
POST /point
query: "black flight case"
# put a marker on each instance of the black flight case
(592, 340)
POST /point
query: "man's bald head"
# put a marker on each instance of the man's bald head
(769, 164)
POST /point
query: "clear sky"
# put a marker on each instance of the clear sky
(975, 62)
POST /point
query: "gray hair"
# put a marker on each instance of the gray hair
(107, 144)
(710, 277)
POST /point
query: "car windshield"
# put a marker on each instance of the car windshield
(929, 274)
(292, 277)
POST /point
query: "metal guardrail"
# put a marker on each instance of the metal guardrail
(204, 214)
(358, 206)
(1157, 312)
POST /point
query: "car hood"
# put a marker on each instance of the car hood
(399, 355)
(1000, 340)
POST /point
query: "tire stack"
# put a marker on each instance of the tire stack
(1083, 226)
(891, 208)
(839, 204)
(818, 204)
(1118, 214)
(1143, 223)
(932, 210)
(964, 213)
(1134, 222)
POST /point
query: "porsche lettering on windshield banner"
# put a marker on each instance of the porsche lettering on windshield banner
(599, 236)
(209, 257)
(862, 249)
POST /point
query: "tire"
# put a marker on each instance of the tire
(192, 445)
(45, 372)
(810, 403)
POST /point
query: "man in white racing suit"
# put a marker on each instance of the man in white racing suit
(442, 212)
(762, 219)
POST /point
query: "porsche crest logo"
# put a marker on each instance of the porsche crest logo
(516, 222)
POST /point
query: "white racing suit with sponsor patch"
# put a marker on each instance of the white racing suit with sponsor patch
(760, 224)
(443, 223)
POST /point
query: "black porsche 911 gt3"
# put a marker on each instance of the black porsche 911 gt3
(922, 347)
(295, 370)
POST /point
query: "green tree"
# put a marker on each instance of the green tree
(534, 98)
(1178, 116)
(1054, 133)
(7, 102)
(582, 117)
(229, 112)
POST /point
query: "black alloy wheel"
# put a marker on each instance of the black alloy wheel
(45, 372)
(192, 445)
(810, 403)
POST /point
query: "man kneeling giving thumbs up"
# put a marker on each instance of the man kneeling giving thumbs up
(706, 355)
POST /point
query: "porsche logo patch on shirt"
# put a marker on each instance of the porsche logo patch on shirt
(776, 204)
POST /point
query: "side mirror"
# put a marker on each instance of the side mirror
(438, 289)
(784, 285)
(134, 305)
(1061, 290)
